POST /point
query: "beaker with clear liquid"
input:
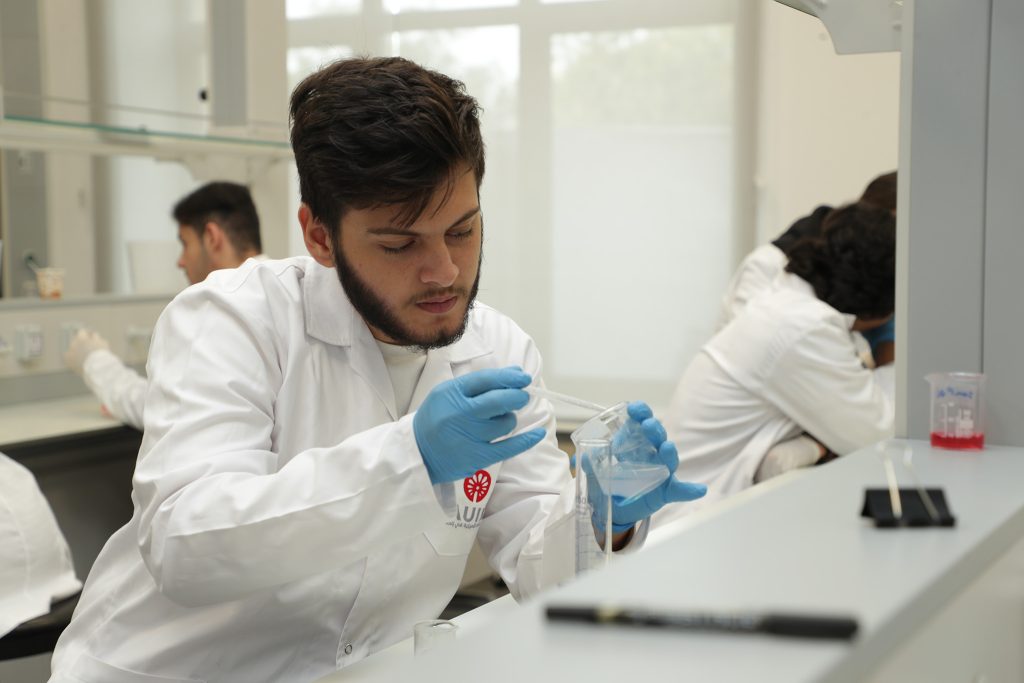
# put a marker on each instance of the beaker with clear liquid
(614, 462)
(593, 457)
(957, 410)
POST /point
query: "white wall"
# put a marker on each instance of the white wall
(827, 124)
(152, 55)
(142, 65)
(64, 67)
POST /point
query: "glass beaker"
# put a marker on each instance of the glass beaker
(957, 410)
(50, 282)
(429, 634)
(593, 457)
(614, 461)
(634, 468)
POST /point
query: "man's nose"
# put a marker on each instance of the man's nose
(439, 268)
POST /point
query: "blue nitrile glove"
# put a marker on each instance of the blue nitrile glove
(672, 490)
(881, 334)
(460, 418)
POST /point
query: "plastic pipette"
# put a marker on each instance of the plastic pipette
(565, 398)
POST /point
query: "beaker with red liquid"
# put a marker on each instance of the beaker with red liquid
(957, 410)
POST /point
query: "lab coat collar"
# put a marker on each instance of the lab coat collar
(439, 363)
(331, 318)
(329, 315)
(787, 280)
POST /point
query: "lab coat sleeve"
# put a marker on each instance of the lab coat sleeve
(528, 524)
(118, 387)
(220, 517)
(820, 383)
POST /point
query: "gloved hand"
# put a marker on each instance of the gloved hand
(460, 418)
(881, 334)
(626, 514)
(803, 451)
(82, 344)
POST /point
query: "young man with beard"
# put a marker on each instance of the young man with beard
(326, 436)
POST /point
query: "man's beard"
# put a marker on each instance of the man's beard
(378, 314)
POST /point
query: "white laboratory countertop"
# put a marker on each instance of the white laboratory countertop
(796, 543)
(58, 417)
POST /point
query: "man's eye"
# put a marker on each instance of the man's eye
(396, 249)
(460, 235)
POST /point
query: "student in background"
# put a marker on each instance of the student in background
(759, 269)
(218, 228)
(787, 365)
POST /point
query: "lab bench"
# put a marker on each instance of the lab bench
(933, 604)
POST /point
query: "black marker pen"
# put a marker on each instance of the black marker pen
(794, 625)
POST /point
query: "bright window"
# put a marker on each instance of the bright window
(642, 166)
(609, 196)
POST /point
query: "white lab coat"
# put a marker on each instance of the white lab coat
(786, 364)
(117, 386)
(756, 274)
(35, 561)
(284, 523)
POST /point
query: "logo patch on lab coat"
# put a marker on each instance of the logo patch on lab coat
(477, 486)
(469, 508)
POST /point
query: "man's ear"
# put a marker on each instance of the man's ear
(316, 236)
(213, 237)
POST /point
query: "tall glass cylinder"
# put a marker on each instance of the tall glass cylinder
(593, 505)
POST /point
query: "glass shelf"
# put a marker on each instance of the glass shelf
(37, 134)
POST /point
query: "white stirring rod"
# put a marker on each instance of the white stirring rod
(890, 475)
(933, 512)
(565, 398)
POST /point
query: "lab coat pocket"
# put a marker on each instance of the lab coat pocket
(88, 669)
(455, 536)
(450, 541)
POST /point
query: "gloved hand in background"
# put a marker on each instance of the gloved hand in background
(82, 344)
(460, 418)
(886, 332)
(881, 340)
(626, 514)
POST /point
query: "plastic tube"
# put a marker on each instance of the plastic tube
(565, 398)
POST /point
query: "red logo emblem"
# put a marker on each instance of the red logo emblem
(477, 486)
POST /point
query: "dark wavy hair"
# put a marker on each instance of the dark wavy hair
(881, 192)
(371, 132)
(229, 205)
(852, 264)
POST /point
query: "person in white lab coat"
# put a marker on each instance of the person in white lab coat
(35, 561)
(787, 365)
(218, 227)
(757, 272)
(325, 436)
